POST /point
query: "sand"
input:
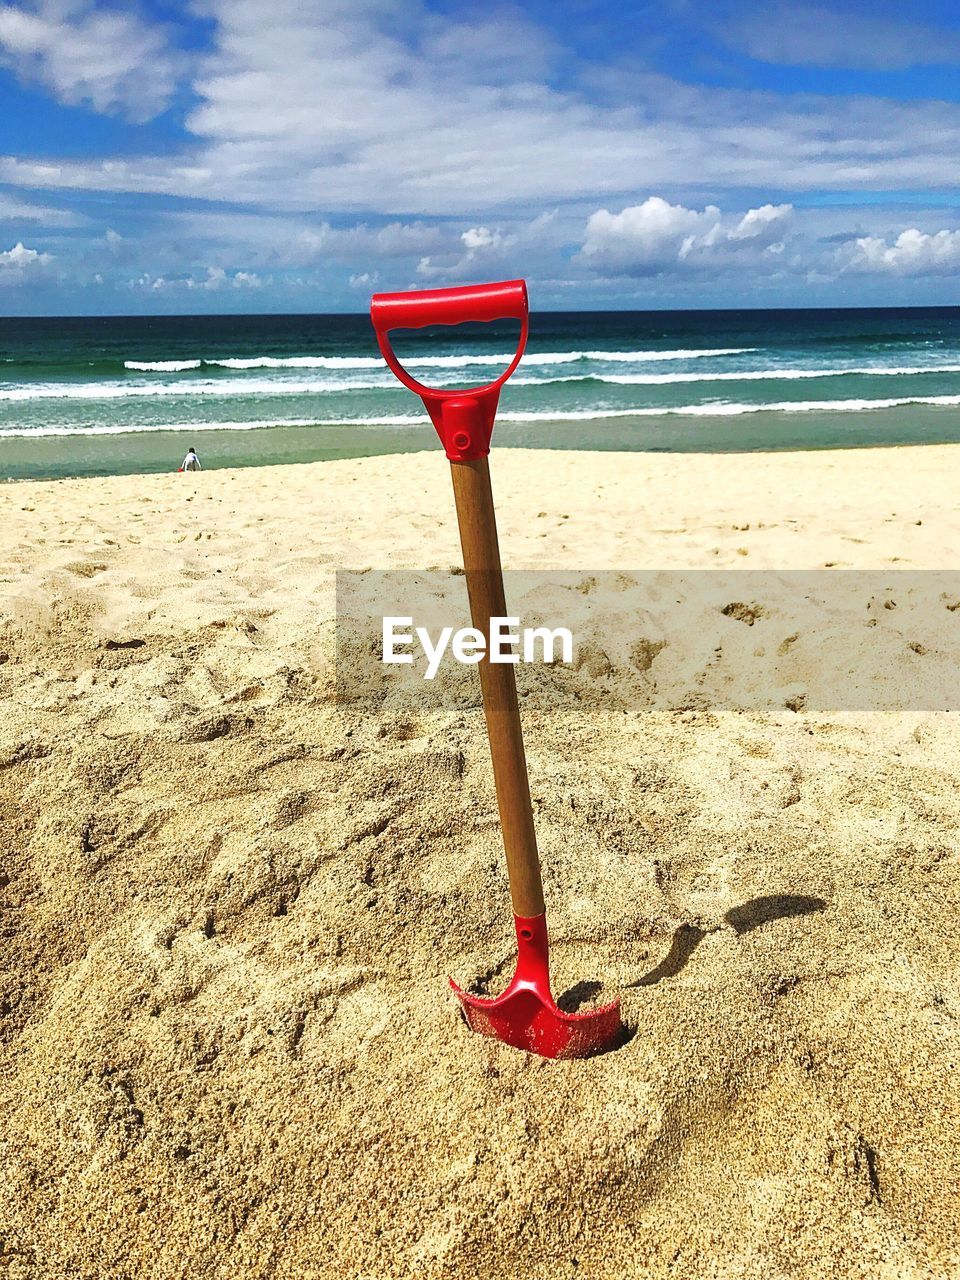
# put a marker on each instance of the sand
(229, 904)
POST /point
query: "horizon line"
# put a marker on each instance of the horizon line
(261, 315)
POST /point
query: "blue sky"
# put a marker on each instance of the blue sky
(293, 155)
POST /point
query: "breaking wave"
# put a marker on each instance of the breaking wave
(423, 362)
(721, 409)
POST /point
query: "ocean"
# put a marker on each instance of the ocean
(102, 395)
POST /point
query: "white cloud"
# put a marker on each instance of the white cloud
(282, 244)
(655, 237)
(395, 240)
(498, 45)
(794, 34)
(20, 264)
(13, 209)
(374, 141)
(765, 224)
(478, 238)
(283, 240)
(643, 238)
(215, 279)
(19, 257)
(912, 253)
(279, 246)
(107, 59)
(349, 109)
(479, 244)
(486, 249)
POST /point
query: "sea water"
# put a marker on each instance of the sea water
(119, 394)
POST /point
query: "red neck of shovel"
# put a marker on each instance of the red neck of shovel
(464, 423)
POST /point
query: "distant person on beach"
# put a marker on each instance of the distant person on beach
(191, 462)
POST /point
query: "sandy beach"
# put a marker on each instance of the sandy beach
(229, 903)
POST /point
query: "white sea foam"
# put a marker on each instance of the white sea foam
(720, 409)
(751, 375)
(162, 366)
(626, 357)
(298, 362)
(425, 362)
(716, 409)
(266, 386)
(725, 409)
(377, 362)
(143, 428)
(224, 387)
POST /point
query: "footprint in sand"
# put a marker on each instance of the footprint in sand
(85, 568)
(643, 653)
(742, 612)
(404, 729)
(592, 658)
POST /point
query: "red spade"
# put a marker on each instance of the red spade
(526, 1015)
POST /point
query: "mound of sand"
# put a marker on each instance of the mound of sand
(230, 904)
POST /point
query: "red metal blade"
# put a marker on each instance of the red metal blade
(526, 1014)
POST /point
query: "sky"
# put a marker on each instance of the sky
(295, 155)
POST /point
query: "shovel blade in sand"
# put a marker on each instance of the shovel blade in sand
(527, 1016)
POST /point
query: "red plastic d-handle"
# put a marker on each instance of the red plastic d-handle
(504, 301)
(463, 417)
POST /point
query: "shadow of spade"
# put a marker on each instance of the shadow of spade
(743, 919)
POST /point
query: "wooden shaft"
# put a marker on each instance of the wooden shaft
(481, 562)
